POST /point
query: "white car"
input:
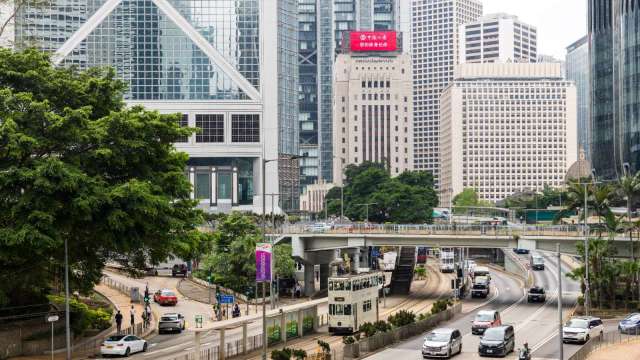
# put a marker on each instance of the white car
(581, 329)
(442, 343)
(123, 345)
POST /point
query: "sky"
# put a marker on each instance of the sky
(559, 22)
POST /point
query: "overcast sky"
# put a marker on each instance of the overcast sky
(559, 22)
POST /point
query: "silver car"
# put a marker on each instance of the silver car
(171, 322)
(442, 343)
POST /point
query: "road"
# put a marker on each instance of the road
(534, 323)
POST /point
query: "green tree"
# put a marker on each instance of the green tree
(407, 198)
(285, 266)
(469, 198)
(233, 261)
(77, 164)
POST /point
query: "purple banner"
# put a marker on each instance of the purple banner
(263, 262)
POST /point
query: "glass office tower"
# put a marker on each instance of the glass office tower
(614, 31)
(208, 60)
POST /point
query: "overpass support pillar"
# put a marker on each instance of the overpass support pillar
(309, 279)
(356, 261)
(324, 276)
(365, 257)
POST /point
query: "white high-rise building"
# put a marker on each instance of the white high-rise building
(506, 128)
(498, 38)
(373, 111)
(434, 52)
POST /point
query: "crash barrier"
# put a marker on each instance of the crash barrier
(607, 339)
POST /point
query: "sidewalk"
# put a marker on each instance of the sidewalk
(627, 351)
(120, 301)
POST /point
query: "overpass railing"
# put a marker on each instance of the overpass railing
(437, 229)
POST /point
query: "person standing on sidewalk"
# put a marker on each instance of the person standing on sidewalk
(119, 322)
(133, 316)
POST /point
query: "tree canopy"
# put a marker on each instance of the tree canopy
(407, 198)
(77, 164)
(469, 198)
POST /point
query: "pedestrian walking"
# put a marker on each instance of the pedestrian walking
(119, 321)
(132, 312)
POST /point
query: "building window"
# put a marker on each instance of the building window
(202, 186)
(212, 126)
(184, 122)
(224, 185)
(245, 128)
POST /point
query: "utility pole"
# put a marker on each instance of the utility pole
(560, 342)
(366, 205)
(341, 187)
(587, 302)
(67, 314)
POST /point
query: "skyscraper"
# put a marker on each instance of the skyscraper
(321, 27)
(228, 66)
(498, 38)
(614, 35)
(435, 46)
(505, 128)
(577, 70)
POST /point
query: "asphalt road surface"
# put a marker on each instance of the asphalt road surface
(534, 323)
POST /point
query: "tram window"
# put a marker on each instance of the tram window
(347, 309)
(338, 309)
(330, 285)
(356, 285)
(366, 305)
(347, 285)
(332, 310)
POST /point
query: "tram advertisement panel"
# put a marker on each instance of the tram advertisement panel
(263, 262)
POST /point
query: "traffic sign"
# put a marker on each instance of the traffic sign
(198, 321)
(52, 318)
(227, 299)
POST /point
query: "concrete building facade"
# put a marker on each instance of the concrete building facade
(498, 38)
(434, 51)
(228, 66)
(506, 128)
(577, 70)
(373, 111)
(312, 198)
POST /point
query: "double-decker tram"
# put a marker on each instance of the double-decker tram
(353, 301)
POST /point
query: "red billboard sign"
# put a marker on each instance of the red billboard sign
(372, 40)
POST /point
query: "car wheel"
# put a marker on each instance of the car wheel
(586, 339)
(144, 347)
(460, 348)
(127, 352)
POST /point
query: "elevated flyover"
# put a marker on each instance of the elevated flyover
(543, 237)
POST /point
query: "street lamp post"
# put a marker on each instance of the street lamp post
(264, 239)
(366, 205)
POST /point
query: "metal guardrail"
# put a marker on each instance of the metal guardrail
(607, 339)
(438, 229)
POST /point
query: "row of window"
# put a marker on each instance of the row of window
(355, 284)
(345, 309)
(245, 128)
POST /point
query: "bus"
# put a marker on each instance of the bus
(536, 262)
(447, 260)
(353, 301)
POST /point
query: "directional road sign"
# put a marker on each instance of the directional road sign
(227, 299)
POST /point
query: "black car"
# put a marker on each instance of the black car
(536, 294)
(521, 251)
(179, 269)
(497, 341)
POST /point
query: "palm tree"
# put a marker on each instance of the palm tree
(629, 187)
(627, 270)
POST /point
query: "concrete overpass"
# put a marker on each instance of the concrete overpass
(314, 246)
(471, 236)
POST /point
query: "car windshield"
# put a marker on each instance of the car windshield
(493, 335)
(115, 338)
(484, 317)
(536, 291)
(168, 293)
(169, 318)
(434, 336)
(577, 323)
(480, 286)
(633, 317)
